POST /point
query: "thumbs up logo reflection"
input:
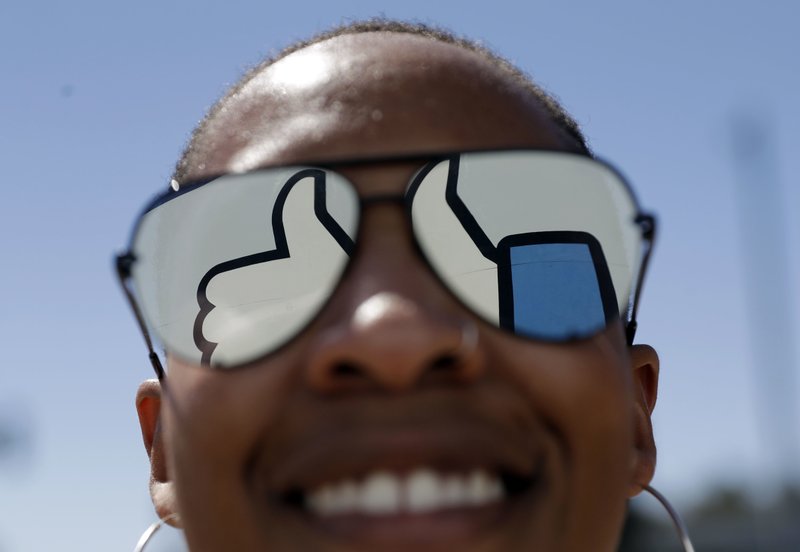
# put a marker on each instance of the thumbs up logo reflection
(255, 303)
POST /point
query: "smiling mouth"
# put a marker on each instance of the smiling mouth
(436, 476)
(421, 491)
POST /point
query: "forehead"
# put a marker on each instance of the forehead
(372, 94)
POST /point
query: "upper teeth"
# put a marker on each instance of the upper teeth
(421, 491)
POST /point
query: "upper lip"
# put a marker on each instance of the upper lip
(353, 439)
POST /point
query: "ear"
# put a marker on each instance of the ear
(148, 407)
(645, 365)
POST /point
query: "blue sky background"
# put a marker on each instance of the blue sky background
(98, 98)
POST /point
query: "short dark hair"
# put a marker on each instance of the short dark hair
(564, 121)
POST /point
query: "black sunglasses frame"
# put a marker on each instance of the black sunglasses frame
(125, 261)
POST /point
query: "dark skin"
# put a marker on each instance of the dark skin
(573, 417)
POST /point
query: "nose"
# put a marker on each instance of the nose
(393, 343)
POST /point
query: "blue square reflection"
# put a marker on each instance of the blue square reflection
(555, 290)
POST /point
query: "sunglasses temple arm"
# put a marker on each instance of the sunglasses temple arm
(123, 265)
(647, 223)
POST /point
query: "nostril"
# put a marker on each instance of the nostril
(444, 363)
(346, 370)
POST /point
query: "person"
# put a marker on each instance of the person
(396, 293)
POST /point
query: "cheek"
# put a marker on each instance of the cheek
(583, 394)
(214, 421)
(583, 389)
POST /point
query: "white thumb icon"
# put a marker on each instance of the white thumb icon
(260, 301)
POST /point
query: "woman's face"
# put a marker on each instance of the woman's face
(387, 388)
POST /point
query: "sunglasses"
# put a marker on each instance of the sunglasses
(546, 245)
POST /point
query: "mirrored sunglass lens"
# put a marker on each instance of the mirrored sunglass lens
(230, 270)
(553, 291)
(465, 207)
